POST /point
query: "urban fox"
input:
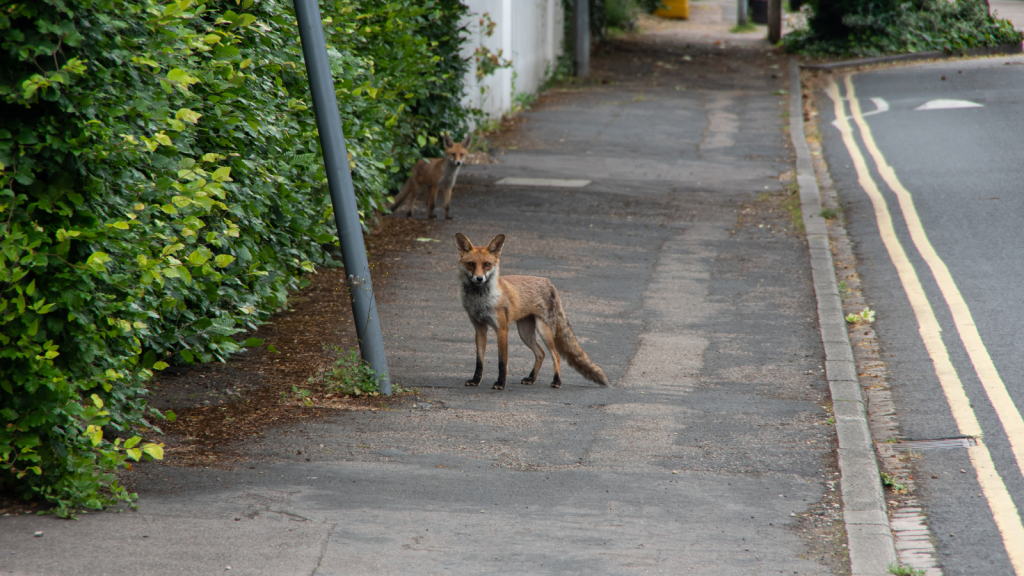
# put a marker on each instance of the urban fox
(435, 175)
(496, 301)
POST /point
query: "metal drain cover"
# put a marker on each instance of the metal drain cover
(933, 444)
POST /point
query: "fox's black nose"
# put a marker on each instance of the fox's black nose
(478, 279)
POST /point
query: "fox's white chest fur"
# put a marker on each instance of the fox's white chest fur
(448, 176)
(481, 300)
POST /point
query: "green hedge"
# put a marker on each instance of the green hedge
(161, 192)
(844, 28)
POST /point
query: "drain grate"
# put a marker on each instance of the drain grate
(944, 444)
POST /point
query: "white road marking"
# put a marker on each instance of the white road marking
(546, 182)
(1004, 512)
(947, 104)
(880, 106)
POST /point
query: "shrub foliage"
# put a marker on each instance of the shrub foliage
(161, 191)
(876, 27)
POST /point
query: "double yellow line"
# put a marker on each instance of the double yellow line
(1004, 512)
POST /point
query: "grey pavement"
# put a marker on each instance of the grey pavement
(709, 454)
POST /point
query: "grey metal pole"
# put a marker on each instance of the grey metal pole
(741, 12)
(582, 25)
(343, 198)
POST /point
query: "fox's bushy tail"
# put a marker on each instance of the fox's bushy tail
(569, 347)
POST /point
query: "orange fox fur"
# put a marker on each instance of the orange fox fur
(435, 175)
(496, 301)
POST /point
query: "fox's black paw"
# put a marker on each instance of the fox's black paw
(432, 217)
(556, 383)
(449, 218)
(498, 386)
(527, 381)
(472, 383)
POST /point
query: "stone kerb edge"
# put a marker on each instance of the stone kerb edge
(869, 537)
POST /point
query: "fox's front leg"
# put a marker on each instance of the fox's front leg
(447, 197)
(502, 352)
(481, 348)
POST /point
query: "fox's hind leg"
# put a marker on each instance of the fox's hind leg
(412, 200)
(549, 341)
(528, 333)
(409, 193)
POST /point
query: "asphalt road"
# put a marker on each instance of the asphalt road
(952, 133)
(710, 454)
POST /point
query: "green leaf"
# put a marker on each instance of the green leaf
(171, 248)
(187, 115)
(184, 274)
(223, 260)
(170, 415)
(97, 400)
(154, 450)
(160, 365)
(199, 256)
(31, 288)
(95, 434)
(222, 174)
(253, 342)
(97, 260)
(182, 78)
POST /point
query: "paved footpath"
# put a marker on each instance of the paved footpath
(710, 453)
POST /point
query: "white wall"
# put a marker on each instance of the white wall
(529, 32)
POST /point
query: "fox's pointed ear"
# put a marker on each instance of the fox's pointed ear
(467, 140)
(463, 243)
(495, 246)
(448, 142)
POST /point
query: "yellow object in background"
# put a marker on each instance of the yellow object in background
(674, 9)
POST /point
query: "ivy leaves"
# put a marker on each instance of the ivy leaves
(858, 28)
(161, 191)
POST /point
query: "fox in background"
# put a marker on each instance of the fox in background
(496, 301)
(435, 175)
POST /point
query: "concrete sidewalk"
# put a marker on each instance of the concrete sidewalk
(680, 270)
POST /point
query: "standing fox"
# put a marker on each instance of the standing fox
(437, 175)
(525, 300)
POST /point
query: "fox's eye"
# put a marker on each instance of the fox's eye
(487, 265)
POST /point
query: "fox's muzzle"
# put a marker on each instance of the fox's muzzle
(479, 280)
